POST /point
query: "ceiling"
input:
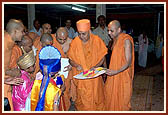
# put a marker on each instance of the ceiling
(65, 9)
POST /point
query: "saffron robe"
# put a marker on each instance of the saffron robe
(16, 53)
(118, 88)
(68, 85)
(89, 93)
(8, 45)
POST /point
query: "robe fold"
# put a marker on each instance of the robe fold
(118, 88)
(89, 93)
(8, 45)
(16, 53)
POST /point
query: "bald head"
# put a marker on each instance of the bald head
(61, 35)
(26, 43)
(62, 30)
(46, 39)
(13, 24)
(114, 29)
(15, 29)
(26, 39)
(115, 23)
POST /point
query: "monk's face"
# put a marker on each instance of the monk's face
(84, 36)
(28, 44)
(113, 31)
(19, 33)
(62, 37)
(47, 28)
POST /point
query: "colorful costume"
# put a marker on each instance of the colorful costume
(44, 101)
(21, 92)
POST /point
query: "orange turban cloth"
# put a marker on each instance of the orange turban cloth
(83, 25)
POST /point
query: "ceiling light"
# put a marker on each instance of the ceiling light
(78, 9)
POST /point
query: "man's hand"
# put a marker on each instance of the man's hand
(13, 81)
(79, 67)
(14, 72)
(67, 68)
(110, 72)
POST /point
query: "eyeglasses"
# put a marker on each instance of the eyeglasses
(82, 33)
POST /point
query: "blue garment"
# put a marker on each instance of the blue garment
(49, 56)
(35, 31)
(71, 33)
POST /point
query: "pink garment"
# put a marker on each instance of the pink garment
(21, 92)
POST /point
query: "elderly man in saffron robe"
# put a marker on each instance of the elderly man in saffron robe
(87, 51)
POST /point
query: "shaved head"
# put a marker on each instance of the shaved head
(115, 23)
(26, 39)
(13, 24)
(61, 35)
(46, 39)
(114, 29)
(27, 43)
(62, 31)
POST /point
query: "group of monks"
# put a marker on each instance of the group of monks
(86, 51)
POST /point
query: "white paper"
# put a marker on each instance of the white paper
(64, 63)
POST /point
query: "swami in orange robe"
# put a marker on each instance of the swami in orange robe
(118, 88)
(13, 27)
(63, 49)
(89, 93)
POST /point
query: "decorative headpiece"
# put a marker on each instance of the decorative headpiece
(27, 60)
(49, 57)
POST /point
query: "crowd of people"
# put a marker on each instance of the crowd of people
(32, 62)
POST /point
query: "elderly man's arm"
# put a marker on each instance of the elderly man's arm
(128, 56)
(12, 77)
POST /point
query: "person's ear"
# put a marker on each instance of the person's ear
(119, 30)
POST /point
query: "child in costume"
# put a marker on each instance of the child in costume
(21, 92)
(46, 93)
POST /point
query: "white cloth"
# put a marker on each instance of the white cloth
(34, 50)
(35, 31)
(64, 63)
(71, 32)
(143, 51)
(28, 103)
(103, 34)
